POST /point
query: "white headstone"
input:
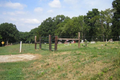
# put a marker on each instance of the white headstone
(82, 41)
(92, 42)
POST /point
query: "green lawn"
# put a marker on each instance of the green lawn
(99, 61)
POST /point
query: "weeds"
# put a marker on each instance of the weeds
(87, 63)
(63, 75)
(59, 67)
(110, 78)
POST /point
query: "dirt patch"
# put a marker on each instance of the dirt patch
(19, 57)
(62, 53)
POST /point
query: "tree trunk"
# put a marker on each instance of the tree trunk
(103, 37)
(82, 35)
(102, 29)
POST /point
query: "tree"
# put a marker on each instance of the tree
(106, 20)
(58, 19)
(32, 34)
(23, 36)
(0, 37)
(60, 31)
(68, 28)
(116, 18)
(49, 26)
(9, 32)
(90, 20)
(71, 27)
(84, 28)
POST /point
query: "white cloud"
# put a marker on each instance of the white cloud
(12, 19)
(13, 5)
(20, 12)
(92, 2)
(50, 11)
(38, 9)
(55, 4)
(24, 19)
(14, 13)
(71, 1)
(30, 21)
(100, 4)
(10, 13)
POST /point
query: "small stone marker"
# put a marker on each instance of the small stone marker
(82, 41)
(92, 42)
(110, 40)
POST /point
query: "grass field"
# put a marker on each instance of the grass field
(99, 61)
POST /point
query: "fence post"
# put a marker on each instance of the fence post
(35, 42)
(20, 46)
(49, 42)
(40, 43)
(56, 42)
(78, 39)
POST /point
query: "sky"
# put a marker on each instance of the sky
(29, 14)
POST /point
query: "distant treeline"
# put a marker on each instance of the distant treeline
(105, 24)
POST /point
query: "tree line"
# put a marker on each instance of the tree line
(96, 24)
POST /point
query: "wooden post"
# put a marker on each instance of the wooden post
(49, 42)
(20, 46)
(56, 38)
(78, 39)
(40, 43)
(35, 41)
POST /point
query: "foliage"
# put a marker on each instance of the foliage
(96, 24)
(9, 32)
(23, 36)
(116, 18)
(28, 36)
(49, 26)
(91, 18)
(0, 37)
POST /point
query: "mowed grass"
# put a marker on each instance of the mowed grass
(99, 61)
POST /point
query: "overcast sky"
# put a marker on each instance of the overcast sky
(28, 14)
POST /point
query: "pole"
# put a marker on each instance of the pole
(20, 46)
(40, 43)
(56, 43)
(49, 42)
(78, 39)
(35, 42)
(119, 39)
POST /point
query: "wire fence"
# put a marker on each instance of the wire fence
(29, 46)
(45, 43)
(78, 59)
(14, 48)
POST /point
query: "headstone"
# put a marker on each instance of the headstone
(92, 42)
(106, 40)
(110, 40)
(72, 42)
(82, 41)
(59, 42)
(101, 44)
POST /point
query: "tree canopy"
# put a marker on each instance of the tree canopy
(116, 18)
(9, 32)
(95, 23)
